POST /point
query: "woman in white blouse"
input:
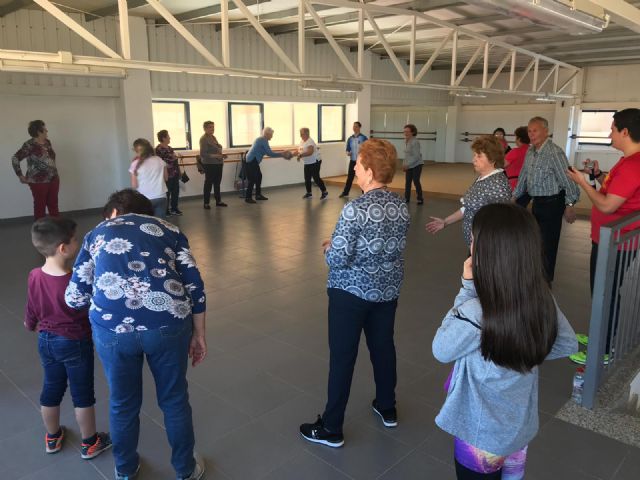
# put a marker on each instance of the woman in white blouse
(149, 176)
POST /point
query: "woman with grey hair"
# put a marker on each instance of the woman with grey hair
(258, 150)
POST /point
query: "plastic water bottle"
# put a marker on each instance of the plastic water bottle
(578, 385)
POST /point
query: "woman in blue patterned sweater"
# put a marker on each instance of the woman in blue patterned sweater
(366, 269)
(147, 300)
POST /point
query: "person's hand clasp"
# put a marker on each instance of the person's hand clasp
(467, 269)
(197, 349)
(570, 214)
(325, 245)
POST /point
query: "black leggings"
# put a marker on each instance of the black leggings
(412, 175)
(212, 177)
(312, 171)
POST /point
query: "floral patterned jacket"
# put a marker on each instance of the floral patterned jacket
(170, 158)
(365, 256)
(41, 162)
(136, 272)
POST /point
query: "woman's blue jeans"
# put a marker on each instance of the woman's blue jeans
(122, 356)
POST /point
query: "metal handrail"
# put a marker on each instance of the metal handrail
(612, 325)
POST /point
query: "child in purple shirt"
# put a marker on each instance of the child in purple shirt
(64, 338)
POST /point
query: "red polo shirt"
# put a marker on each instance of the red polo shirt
(623, 180)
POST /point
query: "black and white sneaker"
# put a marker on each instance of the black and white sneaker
(324, 195)
(389, 416)
(307, 195)
(316, 433)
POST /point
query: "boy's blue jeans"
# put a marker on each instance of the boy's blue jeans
(122, 355)
(65, 360)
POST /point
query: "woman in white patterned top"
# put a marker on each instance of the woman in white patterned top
(491, 186)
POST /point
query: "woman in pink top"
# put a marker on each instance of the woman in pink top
(514, 160)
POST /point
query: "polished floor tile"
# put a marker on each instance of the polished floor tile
(268, 358)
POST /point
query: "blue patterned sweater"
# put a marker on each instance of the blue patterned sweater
(365, 255)
(136, 273)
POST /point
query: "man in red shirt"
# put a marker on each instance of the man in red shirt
(619, 194)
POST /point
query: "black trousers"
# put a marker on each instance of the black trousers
(212, 178)
(173, 192)
(548, 212)
(348, 316)
(524, 200)
(254, 178)
(412, 175)
(312, 171)
(351, 173)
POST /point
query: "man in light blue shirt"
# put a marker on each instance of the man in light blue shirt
(258, 151)
(353, 147)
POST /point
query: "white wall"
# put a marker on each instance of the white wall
(84, 136)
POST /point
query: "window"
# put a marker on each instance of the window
(204, 110)
(331, 119)
(305, 115)
(246, 121)
(173, 117)
(595, 126)
(279, 116)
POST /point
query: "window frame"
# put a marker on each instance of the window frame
(344, 119)
(593, 110)
(187, 117)
(230, 120)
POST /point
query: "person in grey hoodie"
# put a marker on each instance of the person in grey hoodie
(412, 163)
(503, 324)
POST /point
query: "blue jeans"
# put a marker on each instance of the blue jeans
(159, 207)
(66, 360)
(122, 355)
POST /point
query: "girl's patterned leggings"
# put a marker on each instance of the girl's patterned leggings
(473, 463)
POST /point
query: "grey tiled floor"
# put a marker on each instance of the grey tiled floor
(267, 366)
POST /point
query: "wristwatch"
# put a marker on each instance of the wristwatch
(570, 204)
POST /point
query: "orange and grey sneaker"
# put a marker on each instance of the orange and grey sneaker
(92, 450)
(53, 443)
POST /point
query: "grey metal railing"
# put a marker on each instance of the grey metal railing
(614, 330)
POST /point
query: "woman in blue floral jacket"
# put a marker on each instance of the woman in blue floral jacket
(146, 299)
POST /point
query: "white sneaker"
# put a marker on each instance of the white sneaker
(198, 471)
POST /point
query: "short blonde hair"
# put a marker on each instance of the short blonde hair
(381, 157)
(491, 147)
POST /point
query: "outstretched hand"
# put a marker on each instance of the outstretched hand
(435, 225)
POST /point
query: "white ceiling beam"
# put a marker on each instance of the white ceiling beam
(621, 12)
(360, 43)
(412, 52)
(499, 69)
(525, 73)
(553, 72)
(76, 27)
(388, 49)
(224, 34)
(332, 41)
(485, 65)
(470, 63)
(425, 68)
(373, 8)
(454, 57)
(89, 61)
(265, 36)
(301, 37)
(512, 73)
(123, 22)
(568, 81)
(186, 34)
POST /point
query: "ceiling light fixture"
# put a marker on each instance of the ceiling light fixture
(572, 16)
(545, 99)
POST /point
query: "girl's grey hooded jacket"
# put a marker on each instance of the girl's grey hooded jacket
(490, 407)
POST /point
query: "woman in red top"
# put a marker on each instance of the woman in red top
(619, 194)
(514, 160)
